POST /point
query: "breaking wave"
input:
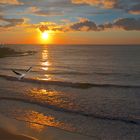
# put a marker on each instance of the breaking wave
(131, 120)
(68, 84)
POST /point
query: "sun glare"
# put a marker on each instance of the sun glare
(45, 35)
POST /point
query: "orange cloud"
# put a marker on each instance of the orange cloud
(103, 3)
(11, 2)
(32, 9)
(135, 9)
(37, 11)
(134, 12)
(83, 24)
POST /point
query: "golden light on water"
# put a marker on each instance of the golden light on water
(45, 64)
(51, 96)
(46, 94)
(45, 61)
(39, 121)
(39, 92)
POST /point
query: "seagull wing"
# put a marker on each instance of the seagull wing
(28, 69)
(17, 73)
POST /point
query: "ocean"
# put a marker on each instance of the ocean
(92, 90)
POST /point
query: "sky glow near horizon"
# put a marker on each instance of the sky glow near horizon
(70, 21)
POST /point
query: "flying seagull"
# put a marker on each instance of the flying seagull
(21, 75)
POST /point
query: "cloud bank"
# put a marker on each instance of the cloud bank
(130, 6)
(127, 24)
(103, 3)
(135, 9)
(7, 23)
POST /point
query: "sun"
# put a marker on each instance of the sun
(45, 35)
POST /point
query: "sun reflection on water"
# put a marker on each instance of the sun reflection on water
(45, 64)
(53, 97)
(48, 97)
(39, 91)
(45, 95)
(39, 121)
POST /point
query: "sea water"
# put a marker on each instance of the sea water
(92, 90)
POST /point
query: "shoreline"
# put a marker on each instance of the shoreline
(8, 52)
(12, 129)
(6, 135)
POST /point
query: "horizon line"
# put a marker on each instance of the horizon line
(64, 44)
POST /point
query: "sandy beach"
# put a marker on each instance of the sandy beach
(11, 129)
(5, 135)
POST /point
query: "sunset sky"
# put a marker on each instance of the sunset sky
(70, 21)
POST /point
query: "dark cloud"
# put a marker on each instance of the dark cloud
(134, 9)
(10, 22)
(43, 28)
(82, 25)
(128, 23)
(122, 23)
(131, 6)
(85, 25)
(105, 26)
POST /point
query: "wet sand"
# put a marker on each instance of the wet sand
(5, 135)
(11, 129)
